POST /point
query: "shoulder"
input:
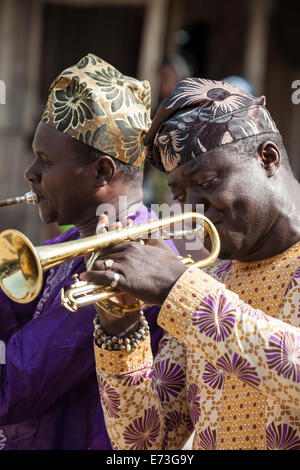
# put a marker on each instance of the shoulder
(218, 269)
(71, 234)
(294, 283)
(290, 307)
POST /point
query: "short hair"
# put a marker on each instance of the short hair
(128, 171)
(249, 145)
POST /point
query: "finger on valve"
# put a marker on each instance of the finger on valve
(103, 224)
(101, 227)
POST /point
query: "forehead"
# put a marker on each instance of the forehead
(51, 142)
(213, 161)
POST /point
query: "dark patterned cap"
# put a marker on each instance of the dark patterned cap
(96, 104)
(201, 115)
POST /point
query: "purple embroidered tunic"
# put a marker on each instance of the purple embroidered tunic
(49, 395)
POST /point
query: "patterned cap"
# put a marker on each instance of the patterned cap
(97, 105)
(201, 115)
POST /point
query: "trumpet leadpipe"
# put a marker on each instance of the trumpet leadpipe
(22, 265)
(29, 198)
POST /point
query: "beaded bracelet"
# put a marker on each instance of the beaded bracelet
(125, 341)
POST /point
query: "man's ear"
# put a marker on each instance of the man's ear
(105, 170)
(270, 157)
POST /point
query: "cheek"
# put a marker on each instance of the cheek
(246, 206)
(52, 180)
(61, 189)
(79, 193)
(63, 180)
(219, 200)
(232, 198)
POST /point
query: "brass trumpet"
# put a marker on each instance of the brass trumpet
(22, 265)
(29, 198)
(83, 293)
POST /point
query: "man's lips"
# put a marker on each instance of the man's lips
(216, 221)
(38, 195)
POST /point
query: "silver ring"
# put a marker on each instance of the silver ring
(101, 228)
(115, 280)
(108, 263)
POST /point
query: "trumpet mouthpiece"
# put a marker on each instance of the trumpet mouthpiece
(31, 198)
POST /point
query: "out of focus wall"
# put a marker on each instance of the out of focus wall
(255, 39)
(38, 39)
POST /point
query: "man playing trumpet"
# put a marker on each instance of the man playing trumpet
(229, 366)
(88, 151)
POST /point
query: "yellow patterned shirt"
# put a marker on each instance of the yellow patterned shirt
(228, 366)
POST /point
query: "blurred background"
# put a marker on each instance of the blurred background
(252, 43)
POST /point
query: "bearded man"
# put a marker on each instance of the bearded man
(229, 366)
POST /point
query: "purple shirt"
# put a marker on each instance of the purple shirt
(49, 397)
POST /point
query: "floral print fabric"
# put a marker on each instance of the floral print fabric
(228, 366)
(96, 104)
(201, 115)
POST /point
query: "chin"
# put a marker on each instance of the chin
(232, 245)
(228, 253)
(233, 253)
(47, 217)
(225, 255)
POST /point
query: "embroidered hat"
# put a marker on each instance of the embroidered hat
(201, 115)
(96, 104)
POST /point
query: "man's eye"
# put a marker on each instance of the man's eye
(207, 184)
(44, 162)
(179, 197)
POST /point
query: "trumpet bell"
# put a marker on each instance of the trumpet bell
(20, 269)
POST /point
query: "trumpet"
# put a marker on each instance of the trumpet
(83, 293)
(22, 265)
(29, 198)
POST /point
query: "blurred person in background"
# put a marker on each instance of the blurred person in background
(88, 151)
(240, 82)
(173, 69)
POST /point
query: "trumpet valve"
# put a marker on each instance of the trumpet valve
(67, 302)
(77, 282)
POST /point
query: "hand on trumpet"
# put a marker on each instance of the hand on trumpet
(112, 325)
(144, 271)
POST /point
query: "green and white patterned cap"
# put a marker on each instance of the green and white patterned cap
(96, 104)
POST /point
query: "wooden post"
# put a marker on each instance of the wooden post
(2, 92)
(152, 45)
(20, 28)
(256, 44)
(176, 18)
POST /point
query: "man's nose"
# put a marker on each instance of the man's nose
(33, 174)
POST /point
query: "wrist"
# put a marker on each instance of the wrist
(126, 340)
(181, 268)
(116, 326)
